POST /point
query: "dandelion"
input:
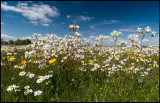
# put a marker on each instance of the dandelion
(52, 61)
(91, 63)
(23, 62)
(82, 61)
(132, 63)
(11, 58)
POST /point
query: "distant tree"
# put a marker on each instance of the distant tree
(11, 42)
(18, 42)
(6, 43)
(26, 41)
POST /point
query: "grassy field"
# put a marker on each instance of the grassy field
(51, 72)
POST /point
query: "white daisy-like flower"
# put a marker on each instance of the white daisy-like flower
(31, 75)
(148, 29)
(39, 81)
(39, 92)
(26, 87)
(22, 73)
(28, 91)
(12, 87)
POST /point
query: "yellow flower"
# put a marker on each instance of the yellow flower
(20, 67)
(33, 55)
(34, 61)
(91, 63)
(150, 59)
(23, 62)
(106, 54)
(40, 52)
(52, 61)
(140, 58)
(154, 65)
(1, 63)
(132, 63)
(4, 57)
(135, 51)
(132, 57)
(47, 66)
(11, 58)
(82, 61)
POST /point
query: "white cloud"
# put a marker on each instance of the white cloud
(34, 22)
(2, 23)
(33, 12)
(127, 30)
(80, 18)
(84, 18)
(8, 37)
(68, 16)
(92, 26)
(44, 24)
(104, 22)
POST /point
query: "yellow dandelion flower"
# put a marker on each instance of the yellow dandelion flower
(11, 58)
(20, 67)
(154, 65)
(150, 59)
(52, 60)
(82, 61)
(4, 57)
(106, 54)
(132, 63)
(135, 51)
(33, 55)
(132, 57)
(40, 52)
(91, 63)
(47, 66)
(23, 62)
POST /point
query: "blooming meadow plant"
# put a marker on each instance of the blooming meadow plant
(52, 64)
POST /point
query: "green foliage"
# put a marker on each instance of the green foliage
(73, 85)
(17, 42)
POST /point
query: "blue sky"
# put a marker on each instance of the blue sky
(20, 19)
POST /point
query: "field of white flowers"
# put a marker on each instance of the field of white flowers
(56, 69)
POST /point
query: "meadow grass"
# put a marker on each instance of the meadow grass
(55, 69)
(73, 85)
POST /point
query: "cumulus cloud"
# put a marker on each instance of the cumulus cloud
(33, 12)
(8, 37)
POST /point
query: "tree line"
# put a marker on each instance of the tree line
(17, 42)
